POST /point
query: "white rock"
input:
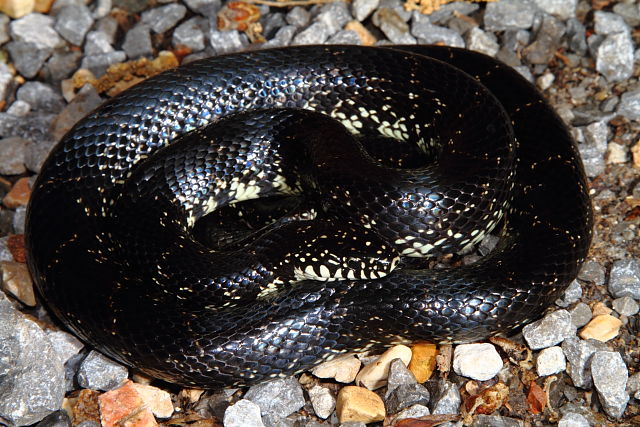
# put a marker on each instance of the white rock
(478, 361)
(244, 413)
(322, 401)
(551, 361)
(343, 369)
(375, 374)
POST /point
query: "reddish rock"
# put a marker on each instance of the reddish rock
(18, 195)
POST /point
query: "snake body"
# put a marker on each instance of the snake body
(109, 223)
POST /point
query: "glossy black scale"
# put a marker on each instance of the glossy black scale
(154, 307)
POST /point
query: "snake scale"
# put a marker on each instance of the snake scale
(110, 219)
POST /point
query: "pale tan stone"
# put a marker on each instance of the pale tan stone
(18, 195)
(357, 404)
(124, 406)
(599, 308)
(17, 8)
(365, 35)
(375, 374)
(343, 369)
(635, 154)
(17, 281)
(602, 328)
(423, 361)
(159, 401)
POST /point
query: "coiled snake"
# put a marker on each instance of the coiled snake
(109, 223)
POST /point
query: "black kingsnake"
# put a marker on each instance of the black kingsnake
(119, 267)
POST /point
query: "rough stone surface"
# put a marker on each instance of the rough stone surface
(478, 361)
(399, 375)
(98, 64)
(563, 9)
(495, 421)
(189, 34)
(361, 9)
(405, 395)
(550, 330)
(41, 97)
(602, 327)
(571, 295)
(32, 374)
(243, 413)
(550, 361)
(137, 42)
(375, 374)
(573, 419)
(97, 43)
(447, 399)
(163, 18)
(73, 22)
(65, 344)
(27, 57)
(630, 105)
(614, 57)
(580, 315)
(610, 377)
(343, 368)
(608, 23)
(626, 306)
(509, 14)
(482, 41)
(36, 28)
(624, 279)
(226, 41)
(322, 401)
(578, 353)
(98, 372)
(279, 397)
(433, 34)
(12, 155)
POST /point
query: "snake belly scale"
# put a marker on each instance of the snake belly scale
(116, 263)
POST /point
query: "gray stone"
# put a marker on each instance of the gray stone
(37, 153)
(633, 385)
(345, 37)
(572, 294)
(406, 395)
(208, 8)
(546, 42)
(4, 29)
(6, 80)
(101, 8)
(578, 353)
(630, 105)
(33, 127)
(495, 421)
(608, 23)
(563, 9)
(624, 279)
(97, 43)
(98, 64)
(614, 57)
(226, 41)
(322, 400)
(334, 15)
(98, 372)
(65, 344)
(626, 306)
(283, 37)
(629, 11)
(393, 26)
(279, 397)
(243, 413)
(399, 375)
(314, 34)
(414, 411)
(550, 361)
(19, 218)
(109, 26)
(37, 29)
(449, 11)
(298, 16)
(576, 36)
(137, 42)
(73, 22)
(32, 374)
(478, 361)
(61, 65)
(272, 23)
(592, 158)
(432, 34)
(447, 400)
(482, 41)
(41, 97)
(573, 419)
(509, 14)
(56, 419)
(189, 34)
(28, 58)
(552, 329)
(163, 18)
(581, 315)
(610, 377)
(12, 155)
(592, 271)
(361, 9)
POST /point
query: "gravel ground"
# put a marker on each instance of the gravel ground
(577, 367)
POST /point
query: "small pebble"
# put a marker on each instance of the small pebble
(573, 419)
(578, 353)
(610, 377)
(563, 9)
(279, 397)
(399, 375)
(447, 399)
(17, 281)
(630, 105)
(552, 329)
(626, 306)
(12, 155)
(550, 361)
(624, 279)
(163, 18)
(509, 14)
(482, 42)
(572, 294)
(322, 401)
(617, 153)
(357, 404)
(98, 372)
(614, 56)
(243, 413)
(343, 369)
(157, 400)
(18, 195)
(73, 22)
(137, 42)
(581, 315)
(477, 361)
(423, 361)
(414, 411)
(405, 395)
(374, 375)
(602, 328)
(592, 271)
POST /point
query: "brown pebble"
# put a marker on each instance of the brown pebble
(15, 244)
(365, 35)
(423, 361)
(357, 404)
(602, 328)
(18, 195)
(124, 406)
(635, 154)
(86, 407)
(17, 281)
(17, 8)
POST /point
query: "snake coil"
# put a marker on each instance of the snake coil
(109, 223)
